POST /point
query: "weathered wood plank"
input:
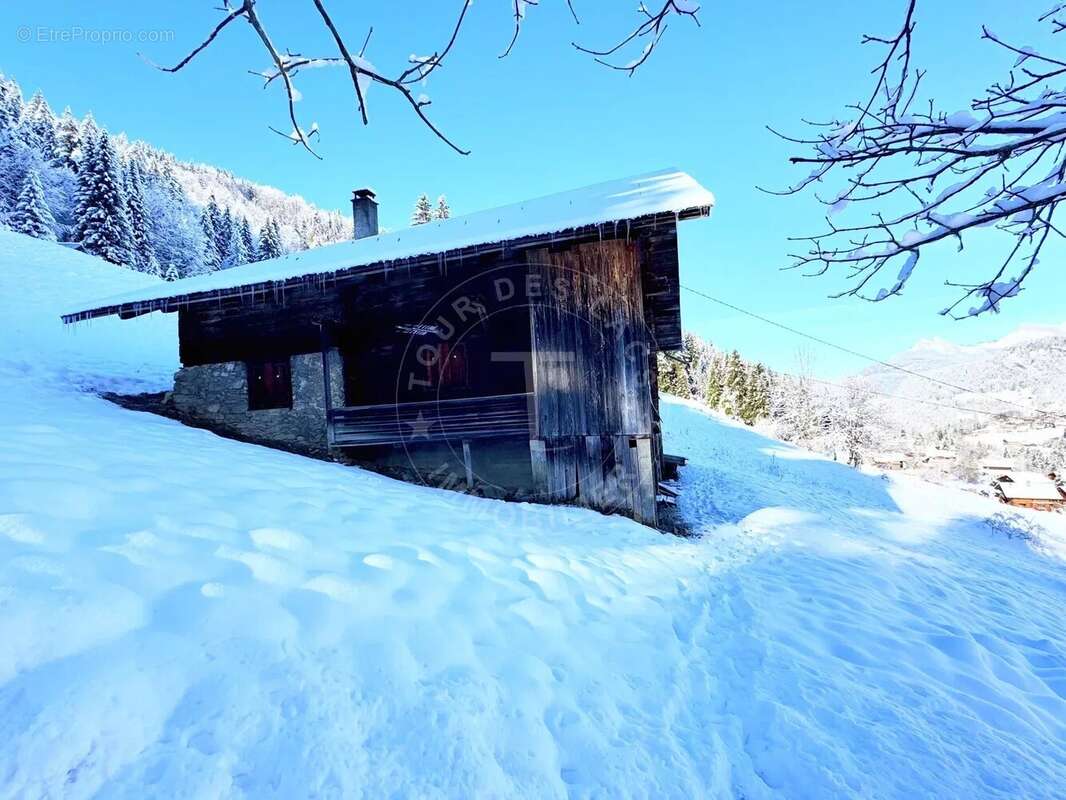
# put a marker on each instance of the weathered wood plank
(416, 423)
(590, 342)
(645, 482)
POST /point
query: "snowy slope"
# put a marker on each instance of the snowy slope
(188, 616)
(39, 278)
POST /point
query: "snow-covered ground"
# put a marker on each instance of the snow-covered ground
(187, 616)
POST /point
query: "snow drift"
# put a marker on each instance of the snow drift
(184, 615)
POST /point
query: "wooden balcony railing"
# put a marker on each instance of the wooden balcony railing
(433, 420)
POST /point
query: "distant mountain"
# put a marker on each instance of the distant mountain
(1021, 372)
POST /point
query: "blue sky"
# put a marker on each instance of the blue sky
(547, 118)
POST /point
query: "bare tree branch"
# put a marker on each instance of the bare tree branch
(651, 28)
(519, 12)
(285, 66)
(290, 90)
(923, 172)
(203, 45)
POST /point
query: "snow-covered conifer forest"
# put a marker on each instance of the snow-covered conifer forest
(70, 179)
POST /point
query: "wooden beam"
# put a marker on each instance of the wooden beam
(469, 464)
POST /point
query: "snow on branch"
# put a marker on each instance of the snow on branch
(285, 65)
(650, 30)
(928, 175)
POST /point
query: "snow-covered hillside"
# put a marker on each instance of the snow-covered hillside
(1011, 375)
(188, 616)
(137, 205)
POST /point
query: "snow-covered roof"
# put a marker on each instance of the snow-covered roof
(668, 191)
(1034, 487)
(997, 463)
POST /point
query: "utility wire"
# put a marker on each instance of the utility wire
(865, 390)
(888, 364)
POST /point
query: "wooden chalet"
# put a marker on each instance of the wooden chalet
(510, 352)
(1030, 490)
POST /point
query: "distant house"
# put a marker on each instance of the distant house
(889, 460)
(511, 352)
(942, 459)
(1030, 490)
(997, 465)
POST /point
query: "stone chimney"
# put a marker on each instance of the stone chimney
(364, 213)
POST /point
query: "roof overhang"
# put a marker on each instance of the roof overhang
(632, 203)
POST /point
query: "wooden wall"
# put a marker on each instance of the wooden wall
(662, 285)
(590, 365)
(613, 474)
(256, 326)
(596, 442)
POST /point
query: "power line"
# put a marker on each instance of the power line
(865, 390)
(856, 353)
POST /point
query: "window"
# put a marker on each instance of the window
(451, 367)
(269, 384)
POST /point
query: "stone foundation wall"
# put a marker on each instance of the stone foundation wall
(215, 396)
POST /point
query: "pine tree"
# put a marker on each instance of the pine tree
(215, 222)
(756, 396)
(715, 383)
(236, 253)
(423, 212)
(171, 273)
(90, 135)
(15, 159)
(696, 355)
(31, 215)
(10, 104)
(276, 234)
(102, 226)
(37, 128)
(733, 398)
(269, 241)
(223, 232)
(247, 240)
(672, 377)
(140, 225)
(68, 140)
(13, 152)
(86, 184)
(211, 260)
(152, 267)
(444, 211)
